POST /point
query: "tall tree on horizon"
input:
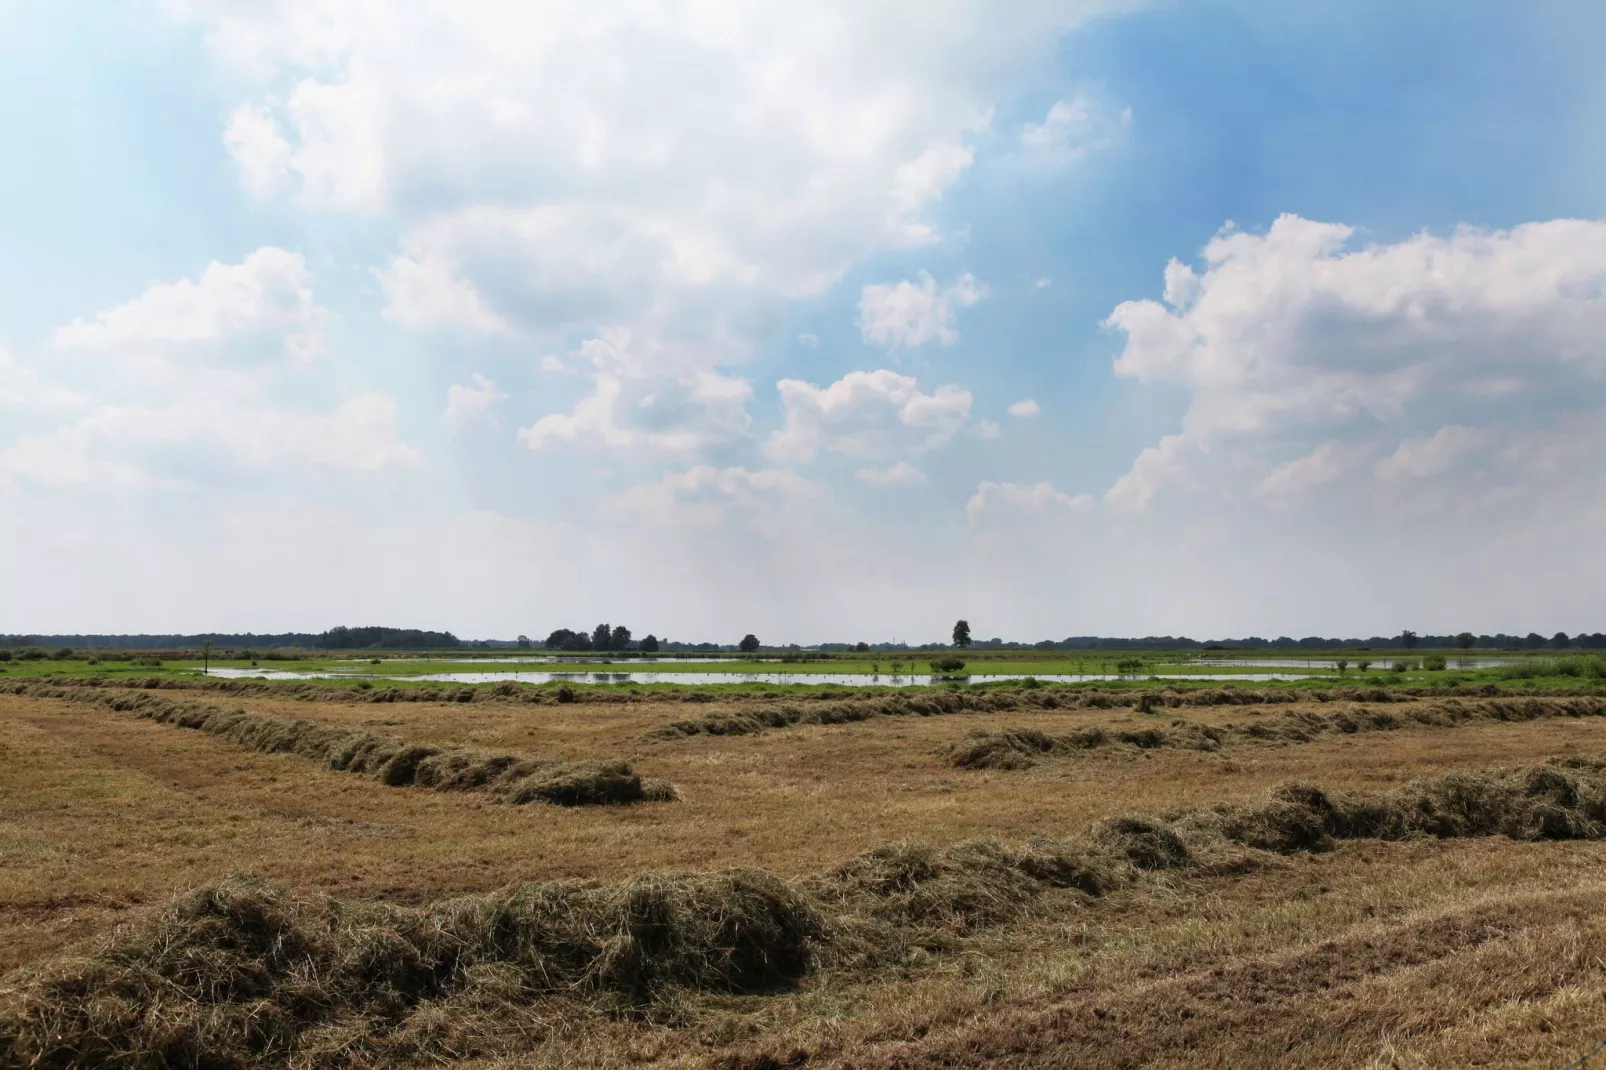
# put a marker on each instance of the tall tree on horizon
(962, 633)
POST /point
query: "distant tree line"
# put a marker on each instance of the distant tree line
(604, 637)
(341, 638)
(375, 638)
(1407, 639)
(608, 638)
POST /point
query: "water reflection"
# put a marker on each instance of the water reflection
(1330, 664)
(705, 679)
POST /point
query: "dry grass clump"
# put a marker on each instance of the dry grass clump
(510, 778)
(1021, 748)
(243, 974)
(1562, 800)
(763, 712)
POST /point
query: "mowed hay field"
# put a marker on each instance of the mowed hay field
(1203, 940)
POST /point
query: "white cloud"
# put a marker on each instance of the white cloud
(865, 414)
(23, 387)
(113, 445)
(564, 166)
(426, 294)
(1422, 458)
(898, 474)
(1040, 498)
(253, 138)
(1067, 120)
(988, 429)
(1323, 465)
(552, 363)
(707, 497)
(465, 404)
(163, 420)
(608, 154)
(1025, 408)
(1071, 130)
(626, 410)
(268, 295)
(808, 341)
(910, 313)
(1296, 337)
(1043, 283)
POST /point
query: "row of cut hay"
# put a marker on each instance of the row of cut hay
(1022, 748)
(511, 778)
(785, 711)
(868, 702)
(244, 974)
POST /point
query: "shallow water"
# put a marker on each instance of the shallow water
(535, 659)
(1329, 664)
(704, 679)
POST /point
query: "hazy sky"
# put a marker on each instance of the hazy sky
(825, 321)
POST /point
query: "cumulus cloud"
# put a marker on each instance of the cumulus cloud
(23, 387)
(267, 295)
(468, 403)
(1298, 337)
(1071, 130)
(1422, 458)
(993, 499)
(708, 497)
(214, 403)
(569, 165)
(898, 474)
(586, 134)
(912, 313)
(1024, 409)
(865, 414)
(253, 138)
(425, 294)
(627, 410)
(1322, 465)
(1066, 120)
(115, 445)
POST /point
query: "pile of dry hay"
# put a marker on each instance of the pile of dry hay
(244, 974)
(1021, 748)
(511, 778)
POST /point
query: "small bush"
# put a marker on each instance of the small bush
(1433, 663)
(5, 655)
(1400, 666)
(63, 653)
(947, 665)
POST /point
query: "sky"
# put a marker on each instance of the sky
(826, 322)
